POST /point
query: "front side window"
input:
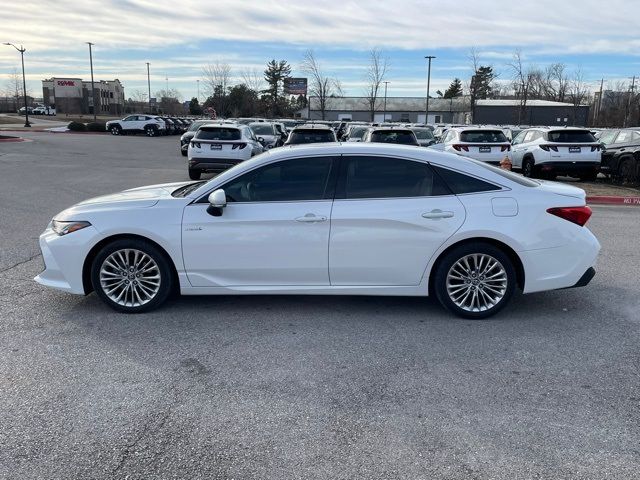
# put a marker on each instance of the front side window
(530, 136)
(624, 136)
(286, 181)
(384, 177)
(519, 138)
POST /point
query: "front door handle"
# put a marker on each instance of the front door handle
(311, 218)
(436, 214)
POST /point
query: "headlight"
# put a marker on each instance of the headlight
(62, 228)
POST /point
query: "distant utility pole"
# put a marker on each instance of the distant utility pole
(149, 85)
(24, 83)
(166, 78)
(597, 119)
(386, 83)
(627, 111)
(198, 97)
(426, 116)
(93, 91)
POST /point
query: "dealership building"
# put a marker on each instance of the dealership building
(449, 110)
(73, 96)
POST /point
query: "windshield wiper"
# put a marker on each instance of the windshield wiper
(187, 189)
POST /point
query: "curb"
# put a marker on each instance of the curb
(611, 200)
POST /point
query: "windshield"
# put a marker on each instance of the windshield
(571, 136)
(423, 133)
(357, 132)
(262, 129)
(196, 125)
(210, 133)
(405, 137)
(311, 136)
(483, 136)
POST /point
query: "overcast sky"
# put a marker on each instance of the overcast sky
(179, 37)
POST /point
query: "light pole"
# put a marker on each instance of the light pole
(426, 116)
(198, 82)
(385, 100)
(93, 92)
(149, 85)
(24, 84)
(626, 112)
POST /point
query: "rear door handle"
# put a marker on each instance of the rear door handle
(436, 214)
(311, 218)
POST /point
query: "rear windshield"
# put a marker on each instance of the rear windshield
(262, 129)
(311, 136)
(357, 132)
(405, 137)
(571, 136)
(423, 134)
(209, 133)
(483, 136)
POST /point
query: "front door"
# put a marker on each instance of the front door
(273, 231)
(389, 217)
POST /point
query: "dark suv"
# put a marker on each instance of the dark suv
(621, 154)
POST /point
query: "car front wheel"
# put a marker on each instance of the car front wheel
(527, 167)
(475, 280)
(131, 276)
(115, 130)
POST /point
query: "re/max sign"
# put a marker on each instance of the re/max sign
(66, 83)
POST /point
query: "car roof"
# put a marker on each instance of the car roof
(312, 126)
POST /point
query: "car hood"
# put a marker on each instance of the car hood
(140, 197)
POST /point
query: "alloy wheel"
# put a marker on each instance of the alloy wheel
(130, 277)
(477, 282)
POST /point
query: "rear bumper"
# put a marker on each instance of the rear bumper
(569, 167)
(213, 164)
(586, 278)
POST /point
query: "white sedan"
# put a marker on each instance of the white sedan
(343, 219)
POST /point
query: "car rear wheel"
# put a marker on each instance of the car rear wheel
(194, 174)
(628, 170)
(150, 131)
(527, 167)
(131, 276)
(475, 281)
(116, 130)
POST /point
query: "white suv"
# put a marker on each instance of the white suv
(548, 151)
(148, 124)
(216, 147)
(488, 145)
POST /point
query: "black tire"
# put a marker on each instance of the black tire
(589, 177)
(164, 269)
(446, 263)
(627, 170)
(115, 130)
(528, 166)
(150, 131)
(183, 152)
(194, 174)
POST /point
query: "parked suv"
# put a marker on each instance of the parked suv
(488, 145)
(216, 147)
(148, 124)
(190, 133)
(402, 136)
(621, 154)
(311, 133)
(548, 152)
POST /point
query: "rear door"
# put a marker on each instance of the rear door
(389, 217)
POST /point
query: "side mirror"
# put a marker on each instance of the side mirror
(217, 202)
(261, 140)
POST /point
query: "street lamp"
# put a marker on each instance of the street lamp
(149, 85)
(198, 82)
(24, 84)
(386, 83)
(426, 116)
(93, 92)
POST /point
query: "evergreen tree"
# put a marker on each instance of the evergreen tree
(454, 90)
(194, 107)
(274, 75)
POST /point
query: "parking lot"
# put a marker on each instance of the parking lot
(300, 386)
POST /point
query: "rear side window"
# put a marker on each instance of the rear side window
(384, 177)
(289, 180)
(483, 136)
(459, 183)
(311, 136)
(405, 137)
(218, 134)
(571, 136)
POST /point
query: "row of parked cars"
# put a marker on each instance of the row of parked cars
(542, 152)
(150, 125)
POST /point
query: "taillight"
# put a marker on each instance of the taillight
(195, 144)
(546, 148)
(505, 148)
(577, 215)
(595, 148)
(238, 146)
(459, 148)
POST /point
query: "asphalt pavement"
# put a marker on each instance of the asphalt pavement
(299, 386)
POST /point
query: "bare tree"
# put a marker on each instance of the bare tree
(253, 79)
(216, 78)
(523, 78)
(578, 92)
(13, 88)
(139, 96)
(376, 71)
(320, 85)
